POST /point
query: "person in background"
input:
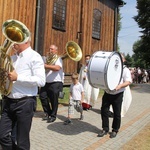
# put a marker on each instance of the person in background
(115, 99)
(132, 74)
(144, 76)
(139, 74)
(75, 98)
(20, 104)
(54, 82)
(91, 93)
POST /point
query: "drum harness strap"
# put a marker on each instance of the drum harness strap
(124, 66)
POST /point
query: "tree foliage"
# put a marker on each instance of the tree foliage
(141, 48)
(119, 27)
(129, 61)
(119, 21)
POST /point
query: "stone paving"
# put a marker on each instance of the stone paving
(82, 135)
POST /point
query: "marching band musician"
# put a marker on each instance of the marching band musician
(54, 84)
(20, 104)
(91, 93)
(115, 99)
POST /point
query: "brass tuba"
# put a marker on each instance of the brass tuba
(73, 51)
(15, 32)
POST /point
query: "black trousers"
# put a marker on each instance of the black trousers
(18, 112)
(116, 102)
(49, 97)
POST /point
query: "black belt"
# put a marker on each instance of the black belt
(19, 99)
(53, 82)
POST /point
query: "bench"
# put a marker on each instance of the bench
(67, 80)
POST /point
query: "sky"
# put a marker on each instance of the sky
(129, 32)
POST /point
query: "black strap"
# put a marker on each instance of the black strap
(19, 99)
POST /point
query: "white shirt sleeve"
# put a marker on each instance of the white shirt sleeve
(33, 73)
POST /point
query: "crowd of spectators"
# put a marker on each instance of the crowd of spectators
(140, 75)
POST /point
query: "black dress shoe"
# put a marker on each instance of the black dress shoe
(51, 120)
(102, 133)
(113, 134)
(45, 117)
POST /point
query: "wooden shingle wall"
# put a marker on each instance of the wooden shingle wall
(22, 10)
(79, 19)
(79, 28)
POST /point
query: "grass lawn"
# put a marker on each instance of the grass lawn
(141, 141)
(62, 101)
(66, 97)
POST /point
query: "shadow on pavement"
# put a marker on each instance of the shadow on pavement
(77, 127)
(98, 111)
(38, 114)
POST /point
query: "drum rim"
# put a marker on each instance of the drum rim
(88, 70)
(105, 74)
(105, 71)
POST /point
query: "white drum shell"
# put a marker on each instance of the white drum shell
(105, 70)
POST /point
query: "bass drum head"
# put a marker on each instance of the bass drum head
(114, 69)
(105, 70)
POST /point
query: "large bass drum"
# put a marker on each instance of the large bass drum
(105, 70)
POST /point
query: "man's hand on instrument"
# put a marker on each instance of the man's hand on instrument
(123, 85)
(12, 75)
(118, 87)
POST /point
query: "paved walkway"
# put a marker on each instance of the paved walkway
(82, 135)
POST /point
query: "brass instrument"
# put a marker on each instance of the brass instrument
(51, 58)
(15, 32)
(73, 51)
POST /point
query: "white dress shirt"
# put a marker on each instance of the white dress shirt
(31, 74)
(56, 76)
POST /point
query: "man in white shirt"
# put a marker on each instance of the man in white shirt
(115, 99)
(20, 104)
(54, 81)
